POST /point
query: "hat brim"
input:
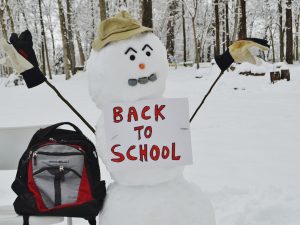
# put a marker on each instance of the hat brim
(99, 44)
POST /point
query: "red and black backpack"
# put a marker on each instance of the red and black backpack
(59, 175)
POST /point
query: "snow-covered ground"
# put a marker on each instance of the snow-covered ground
(246, 138)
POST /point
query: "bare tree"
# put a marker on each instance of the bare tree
(70, 35)
(217, 28)
(227, 23)
(80, 49)
(44, 42)
(93, 28)
(205, 29)
(184, 34)
(102, 9)
(243, 20)
(11, 19)
(223, 16)
(193, 16)
(281, 31)
(147, 13)
(21, 7)
(297, 36)
(63, 31)
(51, 30)
(172, 9)
(236, 20)
(289, 32)
(2, 21)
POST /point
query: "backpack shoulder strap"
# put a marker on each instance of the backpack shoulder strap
(92, 221)
(48, 130)
(25, 220)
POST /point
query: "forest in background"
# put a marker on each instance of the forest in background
(193, 31)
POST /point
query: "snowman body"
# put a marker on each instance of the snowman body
(131, 70)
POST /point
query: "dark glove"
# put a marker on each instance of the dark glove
(24, 46)
(239, 52)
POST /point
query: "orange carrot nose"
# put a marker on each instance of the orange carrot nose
(142, 66)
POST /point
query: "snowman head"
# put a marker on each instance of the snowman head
(129, 69)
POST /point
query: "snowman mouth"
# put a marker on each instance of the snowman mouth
(142, 80)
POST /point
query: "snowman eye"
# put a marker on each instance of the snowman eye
(148, 53)
(132, 57)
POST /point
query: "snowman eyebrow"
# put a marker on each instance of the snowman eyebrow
(145, 46)
(129, 50)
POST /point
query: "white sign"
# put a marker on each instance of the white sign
(148, 133)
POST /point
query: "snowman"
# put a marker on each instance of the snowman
(129, 63)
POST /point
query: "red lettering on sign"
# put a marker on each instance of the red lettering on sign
(139, 128)
(154, 152)
(157, 112)
(148, 132)
(145, 109)
(174, 157)
(118, 154)
(117, 114)
(132, 113)
(143, 153)
(129, 156)
(165, 152)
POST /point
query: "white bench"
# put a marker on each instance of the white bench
(13, 142)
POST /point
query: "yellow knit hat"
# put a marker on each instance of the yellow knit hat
(121, 26)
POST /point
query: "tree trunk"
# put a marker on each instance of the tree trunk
(243, 20)
(223, 27)
(2, 21)
(184, 35)
(147, 13)
(81, 54)
(43, 58)
(45, 43)
(272, 44)
(172, 8)
(289, 32)
(209, 53)
(20, 2)
(70, 35)
(93, 24)
(64, 38)
(217, 28)
(102, 9)
(53, 46)
(297, 36)
(7, 70)
(11, 19)
(227, 23)
(236, 20)
(281, 31)
(195, 43)
(36, 34)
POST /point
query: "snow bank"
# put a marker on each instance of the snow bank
(245, 141)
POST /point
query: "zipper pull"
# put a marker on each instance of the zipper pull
(52, 139)
(34, 156)
(30, 153)
(61, 173)
(95, 154)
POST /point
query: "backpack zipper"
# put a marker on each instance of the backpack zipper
(58, 153)
(33, 154)
(59, 168)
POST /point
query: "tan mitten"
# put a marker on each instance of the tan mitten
(18, 62)
(239, 52)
